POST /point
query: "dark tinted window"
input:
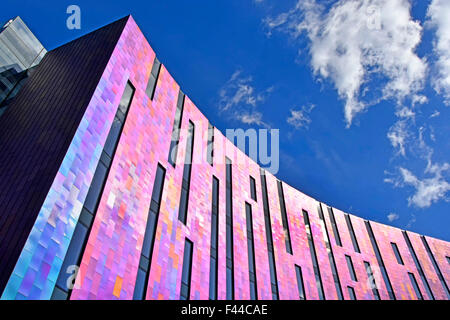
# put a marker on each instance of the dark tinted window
(229, 233)
(397, 253)
(351, 293)
(284, 218)
(251, 252)
(214, 239)
(186, 271)
(352, 233)
(173, 150)
(184, 198)
(252, 188)
(351, 269)
(300, 285)
(415, 286)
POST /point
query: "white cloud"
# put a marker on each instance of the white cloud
(411, 221)
(427, 190)
(435, 114)
(405, 112)
(392, 216)
(240, 98)
(254, 117)
(439, 18)
(398, 135)
(357, 42)
(300, 118)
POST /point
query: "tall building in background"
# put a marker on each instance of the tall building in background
(106, 165)
(20, 53)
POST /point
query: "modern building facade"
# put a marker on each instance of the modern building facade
(20, 53)
(106, 165)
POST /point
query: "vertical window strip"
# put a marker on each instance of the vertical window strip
(418, 266)
(213, 270)
(210, 145)
(300, 284)
(313, 255)
(251, 252)
(140, 288)
(351, 268)
(397, 253)
(415, 286)
(269, 239)
(173, 150)
(153, 79)
(386, 279)
(79, 239)
(352, 233)
(185, 289)
(436, 266)
(253, 188)
(351, 293)
(229, 232)
(337, 237)
(337, 282)
(284, 218)
(184, 197)
(371, 278)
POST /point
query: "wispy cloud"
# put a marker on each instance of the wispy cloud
(356, 43)
(435, 114)
(392, 216)
(427, 190)
(439, 18)
(239, 98)
(434, 185)
(398, 135)
(299, 118)
(251, 118)
(411, 221)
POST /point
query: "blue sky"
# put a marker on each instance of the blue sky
(359, 90)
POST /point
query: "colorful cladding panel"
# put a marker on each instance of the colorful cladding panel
(111, 258)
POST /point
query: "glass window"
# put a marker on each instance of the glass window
(186, 271)
(113, 136)
(96, 188)
(267, 224)
(284, 218)
(214, 240)
(301, 287)
(397, 253)
(352, 233)
(184, 198)
(415, 286)
(153, 79)
(312, 250)
(210, 146)
(351, 269)
(252, 188)
(372, 282)
(126, 99)
(149, 235)
(176, 129)
(251, 251)
(337, 237)
(351, 293)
